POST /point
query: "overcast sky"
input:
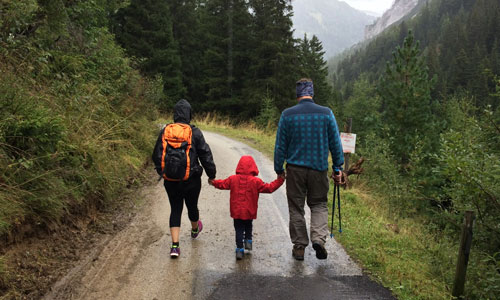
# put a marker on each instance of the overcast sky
(377, 6)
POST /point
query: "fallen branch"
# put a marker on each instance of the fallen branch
(354, 169)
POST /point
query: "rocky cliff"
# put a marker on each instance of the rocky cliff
(398, 10)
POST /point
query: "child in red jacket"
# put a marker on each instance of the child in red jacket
(245, 188)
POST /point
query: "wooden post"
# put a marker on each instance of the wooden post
(346, 156)
(463, 255)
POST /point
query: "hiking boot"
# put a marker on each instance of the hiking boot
(298, 252)
(195, 233)
(240, 252)
(248, 244)
(320, 251)
(175, 251)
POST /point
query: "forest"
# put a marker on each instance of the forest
(224, 56)
(424, 100)
(82, 81)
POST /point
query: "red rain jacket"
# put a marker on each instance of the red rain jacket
(245, 188)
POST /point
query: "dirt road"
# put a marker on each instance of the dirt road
(135, 263)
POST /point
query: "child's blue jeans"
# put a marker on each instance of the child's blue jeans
(243, 231)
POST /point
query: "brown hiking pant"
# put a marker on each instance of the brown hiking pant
(301, 184)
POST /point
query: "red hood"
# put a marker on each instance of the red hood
(247, 166)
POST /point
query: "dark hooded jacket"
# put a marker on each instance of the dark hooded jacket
(245, 188)
(200, 151)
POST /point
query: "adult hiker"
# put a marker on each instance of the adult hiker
(177, 155)
(306, 133)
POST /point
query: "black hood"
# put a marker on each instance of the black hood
(182, 112)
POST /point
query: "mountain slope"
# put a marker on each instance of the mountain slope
(400, 9)
(334, 22)
(460, 40)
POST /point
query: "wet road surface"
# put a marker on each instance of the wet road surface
(135, 263)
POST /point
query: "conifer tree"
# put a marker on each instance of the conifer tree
(225, 55)
(189, 33)
(406, 98)
(312, 65)
(273, 61)
(144, 28)
(495, 57)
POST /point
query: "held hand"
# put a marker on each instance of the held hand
(282, 175)
(210, 181)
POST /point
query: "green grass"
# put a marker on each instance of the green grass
(400, 254)
(248, 133)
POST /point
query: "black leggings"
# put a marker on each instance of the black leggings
(183, 191)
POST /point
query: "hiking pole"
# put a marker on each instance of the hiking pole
(340, 217)
(333, 209)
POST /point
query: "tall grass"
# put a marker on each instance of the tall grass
(75, 119)
(249, 132)
(57, 158)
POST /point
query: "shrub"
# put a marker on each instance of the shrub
(470, 163)
(269, 114)
(75, 118)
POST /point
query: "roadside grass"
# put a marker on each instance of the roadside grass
(401, 254)
(248, 133)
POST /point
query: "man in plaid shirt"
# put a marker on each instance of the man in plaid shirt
(306, 133)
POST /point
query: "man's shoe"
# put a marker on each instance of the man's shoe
(320, 251)
(175, 252)
(248, 244)
(240, 252)
(195, 233)
(298, 252)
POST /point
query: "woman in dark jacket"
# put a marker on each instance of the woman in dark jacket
(188, 190)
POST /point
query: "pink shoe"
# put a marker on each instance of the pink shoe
(175, 252)
(195, 233)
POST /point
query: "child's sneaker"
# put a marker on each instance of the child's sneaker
(195, 233)
(248, 244)
(240, 252)
(175, 251)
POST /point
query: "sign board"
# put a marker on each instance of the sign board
(348, 142)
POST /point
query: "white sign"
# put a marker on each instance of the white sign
(348, 142)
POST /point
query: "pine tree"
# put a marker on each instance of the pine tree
(364, 108)
(225, 56)
(406, 99)
(189, 33)
(495, 57)
(312, 65)
(144, 28)
(273, 59)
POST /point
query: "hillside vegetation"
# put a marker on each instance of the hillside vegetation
(459, 39)
(75, 117)
(424, 99)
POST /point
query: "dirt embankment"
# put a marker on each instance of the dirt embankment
(35, 259)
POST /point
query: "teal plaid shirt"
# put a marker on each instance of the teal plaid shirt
(306, 133)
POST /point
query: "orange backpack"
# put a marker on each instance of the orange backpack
(175, 163)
